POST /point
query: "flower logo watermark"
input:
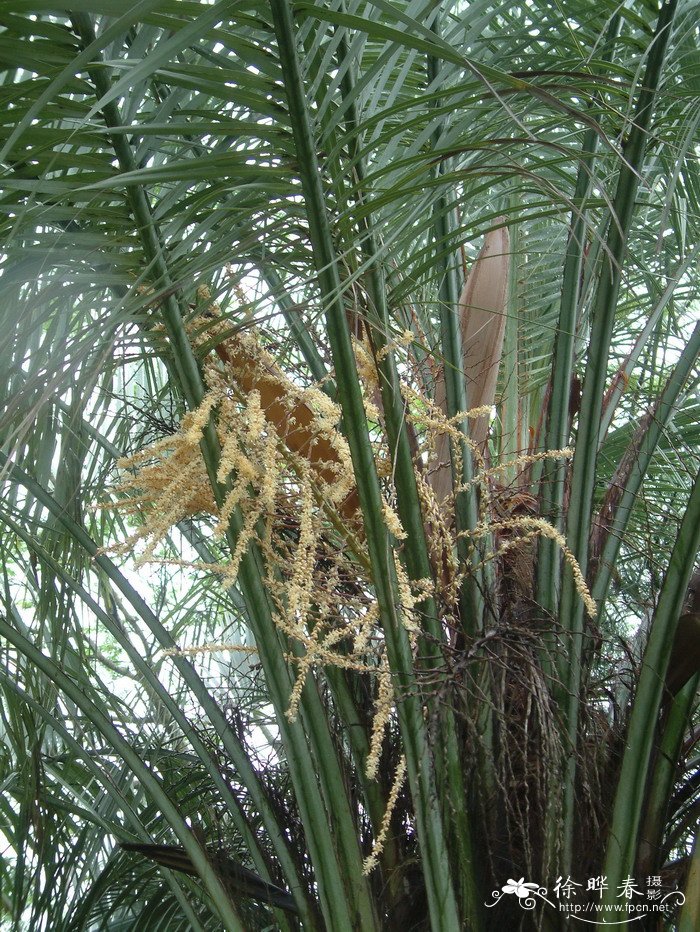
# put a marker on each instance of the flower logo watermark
(526, 891)
(523, 891)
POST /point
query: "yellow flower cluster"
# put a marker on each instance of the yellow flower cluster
(366, 368)
(533, 527)
(170, 485)
(285, 477)
(370, 862)
(518, 462)
(384, 706)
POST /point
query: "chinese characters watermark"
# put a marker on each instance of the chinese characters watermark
(633, 900)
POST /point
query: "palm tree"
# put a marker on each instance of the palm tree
(349, 455)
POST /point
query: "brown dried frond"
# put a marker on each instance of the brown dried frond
(482, 309)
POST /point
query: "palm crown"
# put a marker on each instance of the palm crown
(349, 459)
